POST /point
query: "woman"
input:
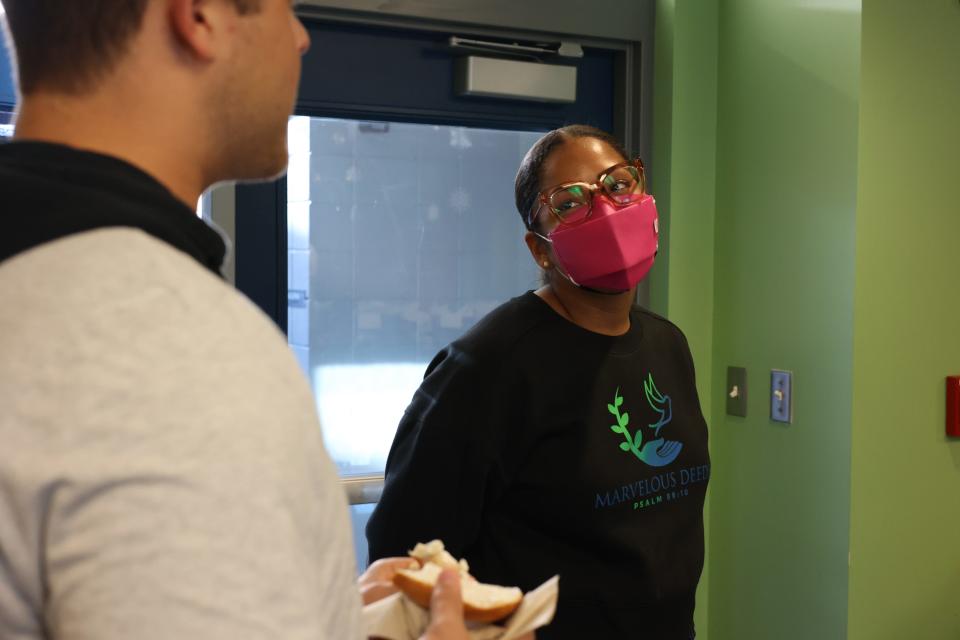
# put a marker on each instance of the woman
(563, 433)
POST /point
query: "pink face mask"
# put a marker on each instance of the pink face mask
(614, 249)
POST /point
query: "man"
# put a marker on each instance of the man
(162, 473)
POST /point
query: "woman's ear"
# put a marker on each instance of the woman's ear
(538, 249)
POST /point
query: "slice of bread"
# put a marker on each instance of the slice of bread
(481, 602)
(433, 551)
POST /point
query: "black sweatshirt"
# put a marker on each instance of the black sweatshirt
(535, 447)
(49, 191)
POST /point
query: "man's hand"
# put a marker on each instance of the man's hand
(376, 583)
(446, 610)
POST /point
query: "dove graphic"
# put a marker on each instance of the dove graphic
(658, 452)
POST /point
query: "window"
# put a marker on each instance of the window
(8, 94)
(6, 124)
(400, 237)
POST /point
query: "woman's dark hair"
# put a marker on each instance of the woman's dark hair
(527, 186)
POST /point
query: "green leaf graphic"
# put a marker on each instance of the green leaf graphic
(631, 441)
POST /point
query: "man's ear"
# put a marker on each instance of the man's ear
(201, 26)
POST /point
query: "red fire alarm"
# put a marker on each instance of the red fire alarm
(953, 406)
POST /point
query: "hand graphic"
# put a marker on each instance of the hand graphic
(660, 453)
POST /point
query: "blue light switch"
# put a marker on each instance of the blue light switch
(781, 396)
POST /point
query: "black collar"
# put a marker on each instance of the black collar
(48, 191)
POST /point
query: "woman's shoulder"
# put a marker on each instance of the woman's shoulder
(657, 325)
(507, 324)
(488, 347)
(499, 332)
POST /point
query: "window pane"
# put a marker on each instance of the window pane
(401, 237)
(6, 125)
(359, 516)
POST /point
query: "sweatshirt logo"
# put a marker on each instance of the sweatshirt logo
(655, 451)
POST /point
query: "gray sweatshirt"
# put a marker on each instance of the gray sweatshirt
(162, 473)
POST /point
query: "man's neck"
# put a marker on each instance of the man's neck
(107, 126)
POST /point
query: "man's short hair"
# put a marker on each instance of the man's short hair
(67, 45)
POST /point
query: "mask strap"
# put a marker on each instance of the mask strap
(556, 266)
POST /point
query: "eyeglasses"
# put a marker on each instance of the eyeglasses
(571, 203)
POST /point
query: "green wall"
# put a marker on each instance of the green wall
(687, 198)
(905, 529)
(784, 276)
(823, 239)
(683, 178)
